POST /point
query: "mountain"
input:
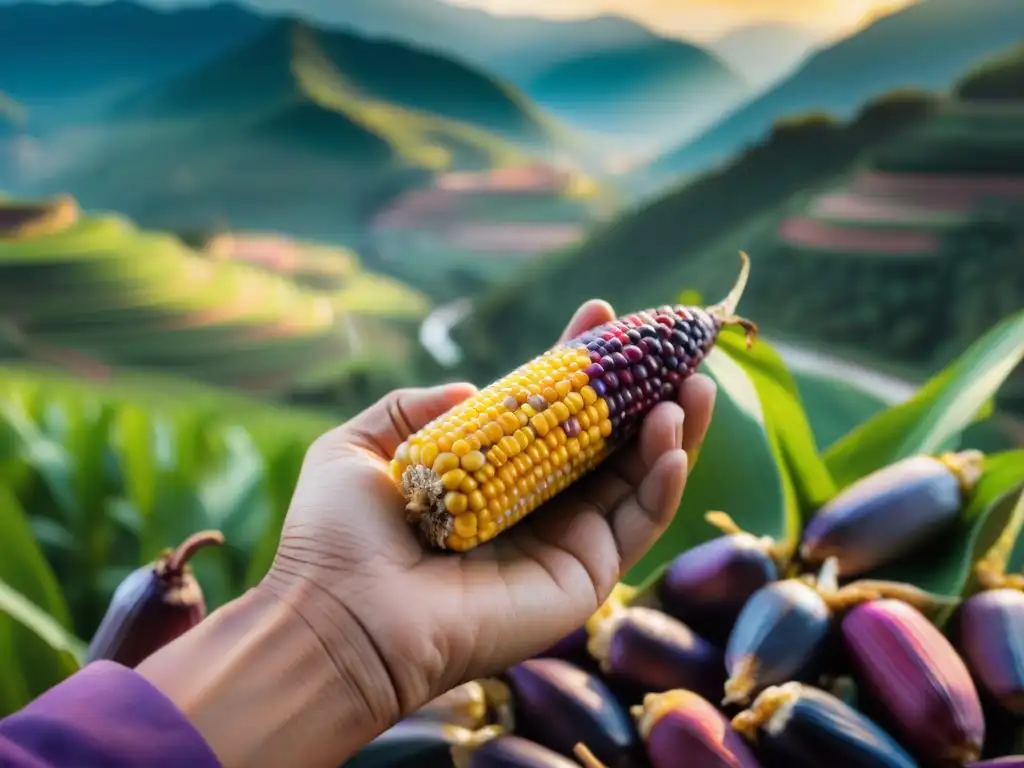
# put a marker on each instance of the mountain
(515, 48)
(70, 53)
(659, 89)
(687, 237)
(299, 130)
(761, 53)
(927, 45)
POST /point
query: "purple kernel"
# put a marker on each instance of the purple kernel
(625, 376)
(595, 354)
(663, 331)
(671, 362)
(599, 387)
(537, 402)
(627, 397)
(611, 380)
(510, 403)
(615, 345)
(638, 372)
(619, 359)
(647, 388)
(632, 353)
(607, 363)
(593, 370)
(572, 427)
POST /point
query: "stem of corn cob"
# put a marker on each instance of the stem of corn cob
(482, 466)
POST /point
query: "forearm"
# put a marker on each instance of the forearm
(262, 689)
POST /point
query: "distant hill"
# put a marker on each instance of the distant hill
(681, 239)
(75, 53)
(928, 45)
(763, 52)
(659, 89)
(515, 48)
(301, 130)
(261, 74)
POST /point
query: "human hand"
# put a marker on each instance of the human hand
(355, 570)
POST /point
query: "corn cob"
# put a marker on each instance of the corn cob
(481, 467)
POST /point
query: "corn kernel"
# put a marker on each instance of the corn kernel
(455, 502)
(473, 461)
(465, 526)
(453, 478)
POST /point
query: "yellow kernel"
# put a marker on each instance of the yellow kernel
(428, 454)
(397, 470)
(460, 448)
(563, 388)
(494, 432)
(606, 428)
(485, 473)
(549, 394)
(602, 408)
(453, 478)
(551, 418)
(414, 454)
(584, 419)
(580, 380)
(497, 456)
(477, 500)
(584, 438)
(456, 543)
(402, 452)
(455, 502)
(593, 414)
(551, 440)
(509, 422)
(489, 489)
(473, 461)
(573, 445)
(589, 395)
(465, 526)
(534, 452)
(522, 464)
(509, 445)
(574, 400)
(561, 411)
(474, 442)
(499, 484)
(445, 462)
(540, 424)
(595, 432)
(469, 484)
(524, 438)
(489, 531)
(507, 476)
(444, 443)
(495, 507)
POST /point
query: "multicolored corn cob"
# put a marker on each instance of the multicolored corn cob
(485, 464)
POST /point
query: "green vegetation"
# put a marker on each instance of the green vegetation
(304, 131)
(1001, 79)
(929, 43)
(97, 293)
(94, 482)
(895, 238)
(678, 240)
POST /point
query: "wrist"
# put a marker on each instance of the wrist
(262, 688)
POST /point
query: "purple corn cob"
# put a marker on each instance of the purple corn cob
(677, 723)
(646, 649)
(890, 512)
(914, 674)
(707, 586)
(154, 605)
(990, 639)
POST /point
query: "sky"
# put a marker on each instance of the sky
(707, 19)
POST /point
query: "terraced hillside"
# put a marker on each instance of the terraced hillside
(300, 130)
(96, 294)
(896, 248)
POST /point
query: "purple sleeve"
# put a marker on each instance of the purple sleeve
(104, 715)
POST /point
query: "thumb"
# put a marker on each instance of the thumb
(396, 416)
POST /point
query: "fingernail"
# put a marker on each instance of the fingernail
(679, 429)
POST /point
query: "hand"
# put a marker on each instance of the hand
(349, 562)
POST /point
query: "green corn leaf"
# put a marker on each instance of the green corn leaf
(786, 422)
(737, 472)
(282, 474)
(946, 568)
(933, 420)
(40, 651)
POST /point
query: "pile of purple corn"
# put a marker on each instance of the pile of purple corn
(749, 652)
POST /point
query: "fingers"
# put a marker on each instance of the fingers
(389, 421)
(590, 314)
(697, 397)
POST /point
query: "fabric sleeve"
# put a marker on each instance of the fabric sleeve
(104, 715)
